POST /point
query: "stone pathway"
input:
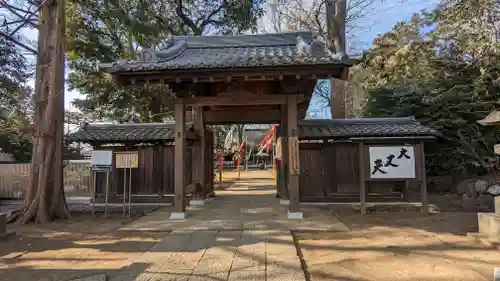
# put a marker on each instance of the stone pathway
(218, 256)
(249, 204)
(242, 234)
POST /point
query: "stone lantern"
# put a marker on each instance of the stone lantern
(489, 223)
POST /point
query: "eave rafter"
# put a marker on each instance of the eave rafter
(229, 75)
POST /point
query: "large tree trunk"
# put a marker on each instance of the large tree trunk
(336, 13)
(44, 199)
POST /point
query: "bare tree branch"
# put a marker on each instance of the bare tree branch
(17, 42)
(209, 18)
(27, 15)
(185, 19)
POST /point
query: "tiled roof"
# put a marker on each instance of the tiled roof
(124, 132)
(362, 127)
(202, 52)
(308, 129)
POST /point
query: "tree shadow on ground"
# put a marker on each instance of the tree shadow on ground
(65, 274)
(95, 236)
(458, 223)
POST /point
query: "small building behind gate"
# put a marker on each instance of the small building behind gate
(153, 180)
(335, 162)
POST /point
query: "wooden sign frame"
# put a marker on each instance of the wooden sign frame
(293, 144)
(420, 171)
(127, 159)
(369, 165)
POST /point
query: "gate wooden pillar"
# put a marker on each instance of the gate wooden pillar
(293, 178)
(283, 169)
(199, 158)
(179, 151)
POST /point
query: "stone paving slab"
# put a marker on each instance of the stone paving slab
(218, 256)
(225, 244)
(247, 276)
(212, 267)
(249, 204)
(285, 275)
(188, 256)
(242, 234)
(173, 275)
(154, 258)
(244, 262)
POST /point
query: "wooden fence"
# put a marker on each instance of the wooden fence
(14, 179)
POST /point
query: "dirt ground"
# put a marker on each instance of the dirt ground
(399, 246)
(65, 250)
(379, 246)
(83, 246)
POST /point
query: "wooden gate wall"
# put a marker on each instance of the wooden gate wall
(329, 173)
(153, 178)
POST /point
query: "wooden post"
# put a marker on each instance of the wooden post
(180, 150)
(238, 164)
(284, 153)
(423, 178)
(406, 191)
(204, 165)
(361, 176)
(196, 152)
(293, 180)
(199, 157)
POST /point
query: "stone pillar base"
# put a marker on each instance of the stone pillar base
(295, 215)
(284, 202)
(178, 216)
(197, 202)
(489, 226)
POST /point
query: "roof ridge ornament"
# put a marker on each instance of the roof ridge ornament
(169, 41)
(302, 47)
(317, 48)
(147, 55)
(173, 48)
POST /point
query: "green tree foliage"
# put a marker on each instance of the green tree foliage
(448, 78)
(16, 102)
(111, 30)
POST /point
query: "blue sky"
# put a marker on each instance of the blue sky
(381, 19)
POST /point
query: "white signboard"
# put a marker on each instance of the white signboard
(392, 162)
(102, 157)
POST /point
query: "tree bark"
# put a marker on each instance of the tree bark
(336, 12)
(44, 199)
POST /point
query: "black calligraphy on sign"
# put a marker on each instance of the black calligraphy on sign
(377, 167)
(390, 162)
(402, 154)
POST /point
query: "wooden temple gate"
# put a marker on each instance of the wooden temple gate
(286, 107)
(256, 79)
